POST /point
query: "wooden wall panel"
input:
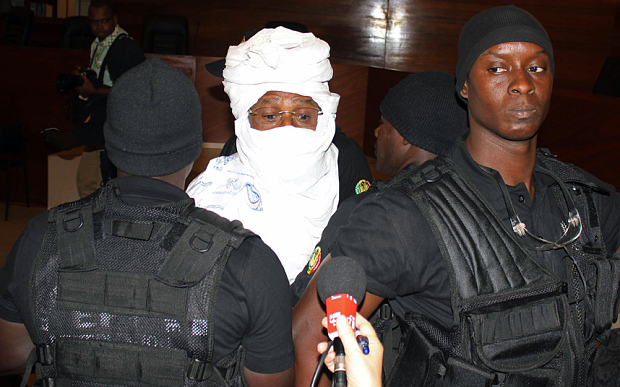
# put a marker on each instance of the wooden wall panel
(404, 35)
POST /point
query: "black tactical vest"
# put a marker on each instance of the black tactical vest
(516, 323)
(125, 294)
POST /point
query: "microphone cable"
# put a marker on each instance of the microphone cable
(317, 371)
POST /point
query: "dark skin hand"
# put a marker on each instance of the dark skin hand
(15, 346)
(308, 330)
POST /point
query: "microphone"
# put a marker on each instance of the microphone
(341, 282)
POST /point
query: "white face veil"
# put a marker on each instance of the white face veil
(283, 182)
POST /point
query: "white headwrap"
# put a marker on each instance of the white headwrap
(283, 183)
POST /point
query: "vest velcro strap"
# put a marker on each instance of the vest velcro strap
(76, 245)
(120, 292)
(132, 230)
(116, 363)
(518, 323)
(194, 254)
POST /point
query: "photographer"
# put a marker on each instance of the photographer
(111, 54)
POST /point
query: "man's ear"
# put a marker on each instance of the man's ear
(464, 90)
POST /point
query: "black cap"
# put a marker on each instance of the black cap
(425, 110)
(494, 26)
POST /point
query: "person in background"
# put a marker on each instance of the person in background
(112, 53)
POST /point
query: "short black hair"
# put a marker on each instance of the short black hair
(102, 3)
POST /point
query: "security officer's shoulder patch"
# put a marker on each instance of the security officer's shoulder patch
(362, 186)
(315, 260)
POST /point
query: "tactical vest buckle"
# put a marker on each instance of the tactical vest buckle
(199, 370)
(431, 173)
(44, 354)
(201, 242)
(73, 222)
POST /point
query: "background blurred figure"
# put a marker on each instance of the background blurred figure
(112, 53)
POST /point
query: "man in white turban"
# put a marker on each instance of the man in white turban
(283, 182)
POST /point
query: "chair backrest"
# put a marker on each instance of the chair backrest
(76, 33)
(11, 138)
(165, 34)
(18, 26)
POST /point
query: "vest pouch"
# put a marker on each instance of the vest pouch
(521, 338)
(607, 286)
(419, 364)
(606, 365)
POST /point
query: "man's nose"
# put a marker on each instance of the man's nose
(287, 119)
(521, 83)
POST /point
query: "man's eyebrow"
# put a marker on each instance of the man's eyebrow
(305, 100)
(270, 100)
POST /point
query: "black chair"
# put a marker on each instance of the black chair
(165, 34)
(76, 33)
(18, 26)
(12, 155)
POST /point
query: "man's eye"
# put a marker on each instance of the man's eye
(270, 116)
(303, 117)
(497, 70)
(537, 69)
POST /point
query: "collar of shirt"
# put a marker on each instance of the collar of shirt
(489, 188)
(107, 42)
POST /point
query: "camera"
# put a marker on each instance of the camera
(66, 82)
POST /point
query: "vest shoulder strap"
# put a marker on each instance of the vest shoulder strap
(195, 243)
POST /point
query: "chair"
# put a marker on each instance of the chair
(12, 155)
(18, 26)
(165, 34)
(76, 33)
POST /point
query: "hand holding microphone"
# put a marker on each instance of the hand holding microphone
(362, 370)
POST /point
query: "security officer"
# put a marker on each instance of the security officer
(499, 258)
(134, 284)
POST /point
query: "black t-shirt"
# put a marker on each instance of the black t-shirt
(254, 302)
(353, 169)
(386, 232)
